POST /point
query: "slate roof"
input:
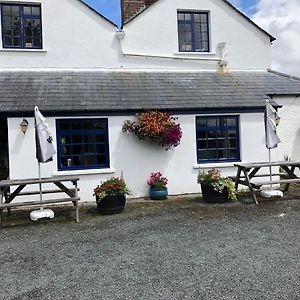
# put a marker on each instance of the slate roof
(121, 91)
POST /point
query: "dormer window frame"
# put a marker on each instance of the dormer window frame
(21, 28)
(194, 20)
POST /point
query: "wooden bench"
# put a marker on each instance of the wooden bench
(20, 184)
(250, 171)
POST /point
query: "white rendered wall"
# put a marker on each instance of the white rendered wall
(154, 32)
(137, 159)
(73, 36)
(289, 127)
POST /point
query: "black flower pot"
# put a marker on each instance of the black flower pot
(111, 204)
(211, 196)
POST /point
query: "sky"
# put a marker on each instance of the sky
(278, 17)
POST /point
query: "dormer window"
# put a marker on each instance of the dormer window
(21, 26)
(193, 31)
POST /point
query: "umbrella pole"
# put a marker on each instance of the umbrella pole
(270, 166)
(40, 186)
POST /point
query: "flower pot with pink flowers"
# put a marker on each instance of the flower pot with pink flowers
(157, 186)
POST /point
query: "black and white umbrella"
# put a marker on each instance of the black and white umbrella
(44, 153)
(272, 139)
(271, 122)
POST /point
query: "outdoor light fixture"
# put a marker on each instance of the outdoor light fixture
(24, 126)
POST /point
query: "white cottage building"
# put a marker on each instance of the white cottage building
(201, 60)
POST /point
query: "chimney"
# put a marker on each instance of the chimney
(131, 8)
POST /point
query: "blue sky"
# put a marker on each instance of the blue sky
(111, 8)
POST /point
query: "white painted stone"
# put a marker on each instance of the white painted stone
(137, 159)
(289, 127)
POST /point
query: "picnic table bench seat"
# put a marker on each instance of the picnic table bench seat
(246, 172)
(20, 184)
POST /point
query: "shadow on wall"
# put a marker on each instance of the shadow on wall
(137, 159)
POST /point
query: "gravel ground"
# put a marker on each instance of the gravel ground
(176, 249)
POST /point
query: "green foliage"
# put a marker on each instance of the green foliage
(213, 178)
(112, 186)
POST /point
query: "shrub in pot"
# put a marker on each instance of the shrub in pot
(111, 195)
(216, 189)
(158, 186)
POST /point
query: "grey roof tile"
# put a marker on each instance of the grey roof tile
(67, 91)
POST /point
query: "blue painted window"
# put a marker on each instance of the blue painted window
(21, 26)
(82, 144)
(193, 31)
(217, 139)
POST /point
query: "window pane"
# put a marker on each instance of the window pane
(222, 143)
(212, 154)
(231, 121)
(101, 148)
(201, 122)
(232, 153)
(203, 18)
(6, 10)
(212, 144)
(64, 125)
(77, 149)
(37, 42)
(76, 125)
(201, 135)
(197, 18)
(100, 138)
(211, 122)
(187, 17)
(7, 41)
(101, 159)
(89, 139)
(6, 21)
(88, 160)
(36, 11)
(15, 10)
(17, 42)
(201, 144)
(232, 143)
(222, 153)
(27, 10)
(90, 148)
(77, 139)
(180, 16)
(202, 154)
(231, 133)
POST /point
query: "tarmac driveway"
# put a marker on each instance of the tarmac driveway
(178, 249)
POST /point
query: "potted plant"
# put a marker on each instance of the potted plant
(216, 189)
(155, 127)
(158, 186)
(111, 195)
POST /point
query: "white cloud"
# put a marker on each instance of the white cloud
(281, 19)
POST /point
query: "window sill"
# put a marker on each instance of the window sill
(22, 50)
(195, 53)
(215, 165)
(84, 172)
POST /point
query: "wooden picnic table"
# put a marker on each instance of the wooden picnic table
(20, 184)
(250, 171)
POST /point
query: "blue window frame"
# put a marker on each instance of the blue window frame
(21, 26)
(193, 31)
(82, 144)
(217, 139)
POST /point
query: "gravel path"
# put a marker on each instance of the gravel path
(163, 250)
